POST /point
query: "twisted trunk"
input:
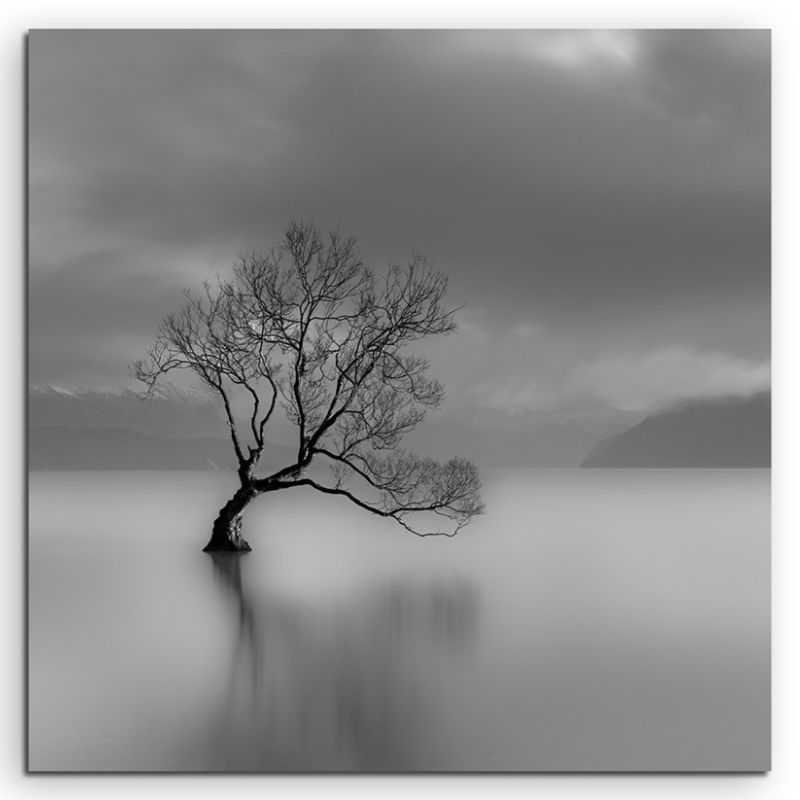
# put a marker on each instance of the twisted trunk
(226, 535)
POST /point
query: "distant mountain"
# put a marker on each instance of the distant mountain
(715, 433)
(59, 448)
(172, 412)
(76, 429)
(494, 438)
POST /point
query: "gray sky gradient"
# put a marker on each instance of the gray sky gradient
(600, 199)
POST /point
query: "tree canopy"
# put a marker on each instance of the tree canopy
(308, 328)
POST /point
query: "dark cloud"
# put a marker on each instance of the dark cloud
(712, 76)
(591, 181)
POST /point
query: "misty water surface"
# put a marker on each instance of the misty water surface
(591, 620)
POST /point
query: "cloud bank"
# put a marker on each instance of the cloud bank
(591, 189)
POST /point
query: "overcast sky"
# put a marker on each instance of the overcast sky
(599, 199)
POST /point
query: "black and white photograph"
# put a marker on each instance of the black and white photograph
(399, 401)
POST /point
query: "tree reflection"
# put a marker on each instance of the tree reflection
(348, 686)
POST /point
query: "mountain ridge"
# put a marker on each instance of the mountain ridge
(722, 433)
(64, 448)
(180, 422)
(172, 412)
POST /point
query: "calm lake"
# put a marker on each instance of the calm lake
(590, 620)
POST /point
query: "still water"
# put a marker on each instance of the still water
(590, 620)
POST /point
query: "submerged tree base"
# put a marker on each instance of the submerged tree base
(226, 537)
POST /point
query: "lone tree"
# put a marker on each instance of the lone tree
(309, 328)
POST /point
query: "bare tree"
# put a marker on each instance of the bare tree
(310, 329)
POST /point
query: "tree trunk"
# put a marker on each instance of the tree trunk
(226, 535)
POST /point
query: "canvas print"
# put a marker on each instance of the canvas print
(399, 401)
